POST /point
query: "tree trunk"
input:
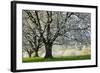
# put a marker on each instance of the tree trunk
(36, 54)
(30, 55)
(48, 49)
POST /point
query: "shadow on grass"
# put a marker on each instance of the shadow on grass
(66, 58)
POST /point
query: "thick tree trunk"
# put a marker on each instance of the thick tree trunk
(48, 49)
(30, 55)
(36, 54)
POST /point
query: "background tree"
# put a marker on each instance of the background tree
(27, 48)
(29, 32)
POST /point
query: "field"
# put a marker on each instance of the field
(66, 58)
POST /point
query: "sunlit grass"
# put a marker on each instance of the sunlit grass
(65, 58)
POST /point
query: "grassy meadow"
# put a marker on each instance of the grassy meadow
(60, 55)
(67, 58)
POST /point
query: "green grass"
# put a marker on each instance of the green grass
(66, 58)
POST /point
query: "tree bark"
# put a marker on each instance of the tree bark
(30, 55)
(48, 49)
(36, 54)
